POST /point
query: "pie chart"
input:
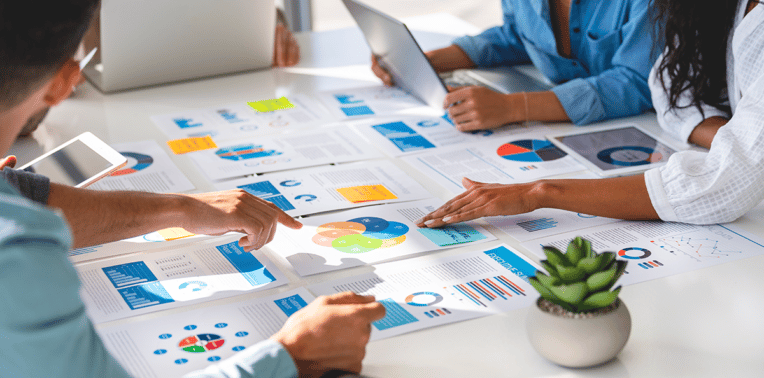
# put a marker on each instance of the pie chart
(138, 162)
(634, 253)
(201, 343)
(530, 151)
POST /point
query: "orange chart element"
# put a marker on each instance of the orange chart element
(360, 235)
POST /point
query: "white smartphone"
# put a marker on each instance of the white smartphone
(78, 162)
(615, 150)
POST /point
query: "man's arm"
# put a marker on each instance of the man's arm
(98, 217)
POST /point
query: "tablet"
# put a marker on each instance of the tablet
(615, 150)
(78, 162)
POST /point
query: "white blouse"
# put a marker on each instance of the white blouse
(724, 183)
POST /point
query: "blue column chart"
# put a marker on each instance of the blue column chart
(129, 274)
(250, 267)
(403, 136)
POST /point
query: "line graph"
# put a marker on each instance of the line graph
(698, 249)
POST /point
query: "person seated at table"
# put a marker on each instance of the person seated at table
(705, 92)
(39, 286)
(597, 52)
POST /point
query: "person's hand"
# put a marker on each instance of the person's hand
(331, 333)
(9, 161)
(286, 51)
(479, 108)
(235, 210)
(481, 200)
(381, 73)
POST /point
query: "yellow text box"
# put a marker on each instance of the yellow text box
(185, 145)
(174, 233)
(366, 193)
(271, 105)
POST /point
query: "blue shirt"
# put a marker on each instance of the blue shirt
(44, 331)
(611, 53)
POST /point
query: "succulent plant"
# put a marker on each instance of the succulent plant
(580, 279)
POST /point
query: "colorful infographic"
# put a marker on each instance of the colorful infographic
(135, 162)
(530, 150)
(361, 235)
(245, 152)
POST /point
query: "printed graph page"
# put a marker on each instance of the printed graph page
(372, 101)
(660, 249)
(177, 344)
(368, 235)
(241, 121)
(428, 292)
(321, 189)
(162, 239)
(406, 135)
(148, 169)
(129, 286)
(509, 160)
(288, 151)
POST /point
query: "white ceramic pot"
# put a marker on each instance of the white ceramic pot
(579, 342)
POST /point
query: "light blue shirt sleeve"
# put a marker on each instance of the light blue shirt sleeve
(44, 330)
(621, 90)
(497, 46)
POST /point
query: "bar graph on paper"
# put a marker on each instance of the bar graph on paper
(482, 292)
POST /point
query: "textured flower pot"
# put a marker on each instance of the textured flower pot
(579, 342)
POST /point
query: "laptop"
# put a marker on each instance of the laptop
(148, 42)
(400, 54)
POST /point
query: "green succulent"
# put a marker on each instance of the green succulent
(580, 279)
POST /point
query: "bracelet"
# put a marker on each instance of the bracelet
(525, 97)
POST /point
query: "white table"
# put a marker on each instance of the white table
(705, 323)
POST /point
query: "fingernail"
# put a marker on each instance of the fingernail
(446, 219)
(418, 221)
(429, 222)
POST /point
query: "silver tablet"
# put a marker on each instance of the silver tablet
(615, 150)
(78, 162)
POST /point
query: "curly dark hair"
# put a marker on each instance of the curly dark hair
(695, 59)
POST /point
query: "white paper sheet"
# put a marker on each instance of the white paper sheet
(660, 249)
(148, 169)
(134, 285)
(372, 101)
(321, 189)
(515, 159)
(148, 242)
(288, 151)
(239, 120)
(362, 236)
(177, 344)
(406, 135)
(427, 292)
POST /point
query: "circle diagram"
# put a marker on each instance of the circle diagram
(193, 285)
(530, 151)
(201, 343)
(634, 253)
(290, 183)
(361, 235)
(136, 162)
(629, 156)
(424, 298)
(428, 123)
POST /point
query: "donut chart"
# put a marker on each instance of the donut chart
(142, 161)
(201, 343)
(634, 253)
(530, 151)
(361, 235)
(423, 299)
(629, 156)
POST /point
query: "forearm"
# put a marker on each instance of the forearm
(449, 58)
(97, 217)
(704, 133)
(620, 197)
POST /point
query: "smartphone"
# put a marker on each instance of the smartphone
(78, 162)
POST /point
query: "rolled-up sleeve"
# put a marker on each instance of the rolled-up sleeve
(723, 184)
(500, 45)
(621, 90)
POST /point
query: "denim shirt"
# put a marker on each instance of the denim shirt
(44, 330)
(611, 53)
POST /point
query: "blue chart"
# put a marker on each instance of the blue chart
(538, 224)
(245, 152)
(530, 150)
(129, 274)
(230, 116)
(438, 312)
(267, 191)
(247, 264)
(347, 99)
(395, 316)
(355, 111)
(403, 136)
(424, 298)
(185, 123)
(182, 347)
(141, 161)
(488, 290)
(146, 295)
(650, 264)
